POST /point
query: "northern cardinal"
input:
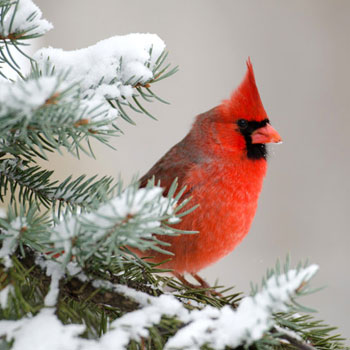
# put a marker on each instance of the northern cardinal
(222, 163)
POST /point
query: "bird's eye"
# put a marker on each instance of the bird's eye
(242, 123)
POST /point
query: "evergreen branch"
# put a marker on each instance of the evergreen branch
(20, 20)
(6, 57)
(59, 120)
(130, 219)
(157, 97)
(29, 184)
(293, 340)
(43, 114)
(123, 114)
(314, 332)
(299, 330)
(96, 303)
(144, 88)
(24, 226)
(298, 344)
(32, 183)
(125, 78)
(83, 301)
(83, 193)
(142, 108)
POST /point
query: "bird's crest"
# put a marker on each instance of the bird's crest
(245, 101)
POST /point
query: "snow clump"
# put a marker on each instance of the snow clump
(111, 68)
(24, 17)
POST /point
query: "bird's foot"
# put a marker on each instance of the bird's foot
(202, 284)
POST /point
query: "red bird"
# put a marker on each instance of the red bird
(222, 163)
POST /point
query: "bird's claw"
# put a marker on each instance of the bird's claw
(210, 291)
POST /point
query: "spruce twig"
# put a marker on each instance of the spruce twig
(31, 184)
(298, 344)
(292, 340)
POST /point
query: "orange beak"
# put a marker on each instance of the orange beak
(266, 134)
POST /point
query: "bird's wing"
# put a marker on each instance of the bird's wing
(174, 164)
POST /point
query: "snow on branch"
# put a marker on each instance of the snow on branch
(213, 327)
(113, 69)
(10, 239)
(219, 328)
(129, 219)
(32, 98)
(73, 93)
(41, 332)
(25, 97)
(112, 66)
(47, 105)
(20, 19)
(216, 328)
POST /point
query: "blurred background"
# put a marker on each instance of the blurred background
(301, 53)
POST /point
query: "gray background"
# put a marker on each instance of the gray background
(300, 52)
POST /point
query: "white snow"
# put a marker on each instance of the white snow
(10, 242)
(228, 327)
(214, 327)
(4, 294)
(56, 271)
(103, 71)
(74, 269)
(288, 332)
(27, 18)
(134, 325)
(26, 96)
(96, 110)
(119, 57)
(42, 332)
(109, 68)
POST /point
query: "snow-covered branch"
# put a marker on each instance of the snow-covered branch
(10, 239)
(216, 328)
(22, 18)
(112, 66)
(45, 112)
(71, 96)
(130, 219)
(113, 70)
(219, 328)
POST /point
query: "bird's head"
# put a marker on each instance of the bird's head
(241, 122)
